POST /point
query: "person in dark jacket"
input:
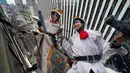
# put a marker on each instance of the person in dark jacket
(124, 28)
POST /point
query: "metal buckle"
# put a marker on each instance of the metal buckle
(75, 61)
(93, 58)
(87, 58)
(74, 58)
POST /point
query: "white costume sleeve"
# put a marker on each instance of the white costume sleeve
(122, 51)
(100, 42)
(108, 52)
(99, 39)
(72, 38)
(67, 47)
(67, 44)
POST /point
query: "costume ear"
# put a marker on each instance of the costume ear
(60, 11)
(75, 16)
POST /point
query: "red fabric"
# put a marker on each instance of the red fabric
(58, 61)
(63, 58)
(83, 35)
(69, 61)
(55, 22)
(50, 20)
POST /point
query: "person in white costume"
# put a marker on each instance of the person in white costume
(108, 49)
(87, 50)
(53, 24)
(115, 46)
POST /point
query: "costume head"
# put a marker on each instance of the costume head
(55, 15)
(118, 41)
(78, 23)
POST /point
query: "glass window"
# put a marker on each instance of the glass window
(70, 18)
(91, 14)
(108, 32)
(103, 13)
(87, 10)
(97, 13)
(84, 3)
(127, 14)
(110, 13)
(115, 32)
(80, 1)
(73, 18)
(120, 7)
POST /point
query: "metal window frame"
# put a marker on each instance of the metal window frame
(49, 5)
(77, 7)
(74, 1)
(101, 10)
(85, 9)
(69, 23)
(113, 13)
(91, 5)
(94, 13)
(107, 11)
(68, 14)
(76, 11)
(52, 5)
(64, 17)
(56, 3)
(48, 11)
(81, 8)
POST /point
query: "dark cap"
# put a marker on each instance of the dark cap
(80, 19)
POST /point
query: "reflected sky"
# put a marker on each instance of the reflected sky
(13, 2)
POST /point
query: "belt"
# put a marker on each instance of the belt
(90, 58)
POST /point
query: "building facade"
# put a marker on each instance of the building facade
(3, 2)
(33, 4)
(19, 4)
(92, 11)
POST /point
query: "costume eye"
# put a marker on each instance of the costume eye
(76, 21)
(114, 41)
(57, 15)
